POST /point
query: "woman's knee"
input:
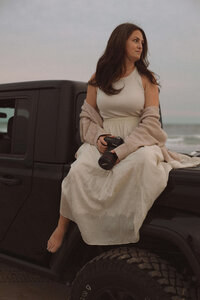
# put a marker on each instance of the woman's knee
(147, 154)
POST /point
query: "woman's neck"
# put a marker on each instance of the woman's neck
(129, 67)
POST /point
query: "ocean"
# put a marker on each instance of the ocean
(184, 138)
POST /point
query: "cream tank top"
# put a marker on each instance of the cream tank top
(129, 102)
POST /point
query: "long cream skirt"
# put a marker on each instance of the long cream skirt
(109, 207)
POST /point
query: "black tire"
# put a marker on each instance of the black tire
(129, 274)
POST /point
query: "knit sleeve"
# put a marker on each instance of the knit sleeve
(91, 124)
(147, 133)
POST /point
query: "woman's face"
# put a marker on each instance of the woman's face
(134, 45)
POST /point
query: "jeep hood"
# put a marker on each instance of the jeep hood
(182, 191)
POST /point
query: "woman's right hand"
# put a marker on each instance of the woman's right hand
(101, 144)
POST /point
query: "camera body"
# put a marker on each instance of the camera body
(108, 159)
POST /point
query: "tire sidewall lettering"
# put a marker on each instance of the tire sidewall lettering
(86, 292)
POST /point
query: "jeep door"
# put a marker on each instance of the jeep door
(17, 118)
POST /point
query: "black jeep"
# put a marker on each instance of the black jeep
(39, 135)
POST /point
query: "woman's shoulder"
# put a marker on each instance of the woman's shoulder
(93, 76)
(92, 82)
(91, 92)
(92, 79)
(146, 82)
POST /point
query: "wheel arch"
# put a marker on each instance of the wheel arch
(182, 240)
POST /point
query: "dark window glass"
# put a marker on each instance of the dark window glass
(7, 112)
(14, 119)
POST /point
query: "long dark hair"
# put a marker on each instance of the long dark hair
(111, 65)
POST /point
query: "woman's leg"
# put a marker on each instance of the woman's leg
(56, 239)
(72, 186)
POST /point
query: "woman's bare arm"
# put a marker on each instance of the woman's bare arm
(91, 97)
(151, 93)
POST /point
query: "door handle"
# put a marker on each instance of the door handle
(8, 180)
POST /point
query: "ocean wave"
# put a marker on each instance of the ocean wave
(187, 149)
(184, 143)
(172, 140)
(184, 139)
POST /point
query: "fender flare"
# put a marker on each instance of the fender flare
(181, 231)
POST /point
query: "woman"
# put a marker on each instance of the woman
(109, 207)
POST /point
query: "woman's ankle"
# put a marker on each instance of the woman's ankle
(63, 224)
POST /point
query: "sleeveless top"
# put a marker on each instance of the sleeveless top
(129, 102)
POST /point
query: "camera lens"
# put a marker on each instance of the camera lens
(108, 160)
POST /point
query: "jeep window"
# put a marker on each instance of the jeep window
(7, 111)
(14, 117)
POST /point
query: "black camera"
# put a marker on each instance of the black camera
(108, 159)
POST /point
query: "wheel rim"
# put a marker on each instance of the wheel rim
(111, 293)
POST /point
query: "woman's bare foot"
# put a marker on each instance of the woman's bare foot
(56, 239)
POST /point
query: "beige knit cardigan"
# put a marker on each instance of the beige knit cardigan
(147, 133)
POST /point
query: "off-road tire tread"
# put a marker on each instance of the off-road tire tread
(165, 278)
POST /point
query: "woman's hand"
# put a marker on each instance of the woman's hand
(101, 144)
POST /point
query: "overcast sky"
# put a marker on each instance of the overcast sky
(61, 39)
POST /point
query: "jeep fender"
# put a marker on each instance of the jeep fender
(181, 230)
